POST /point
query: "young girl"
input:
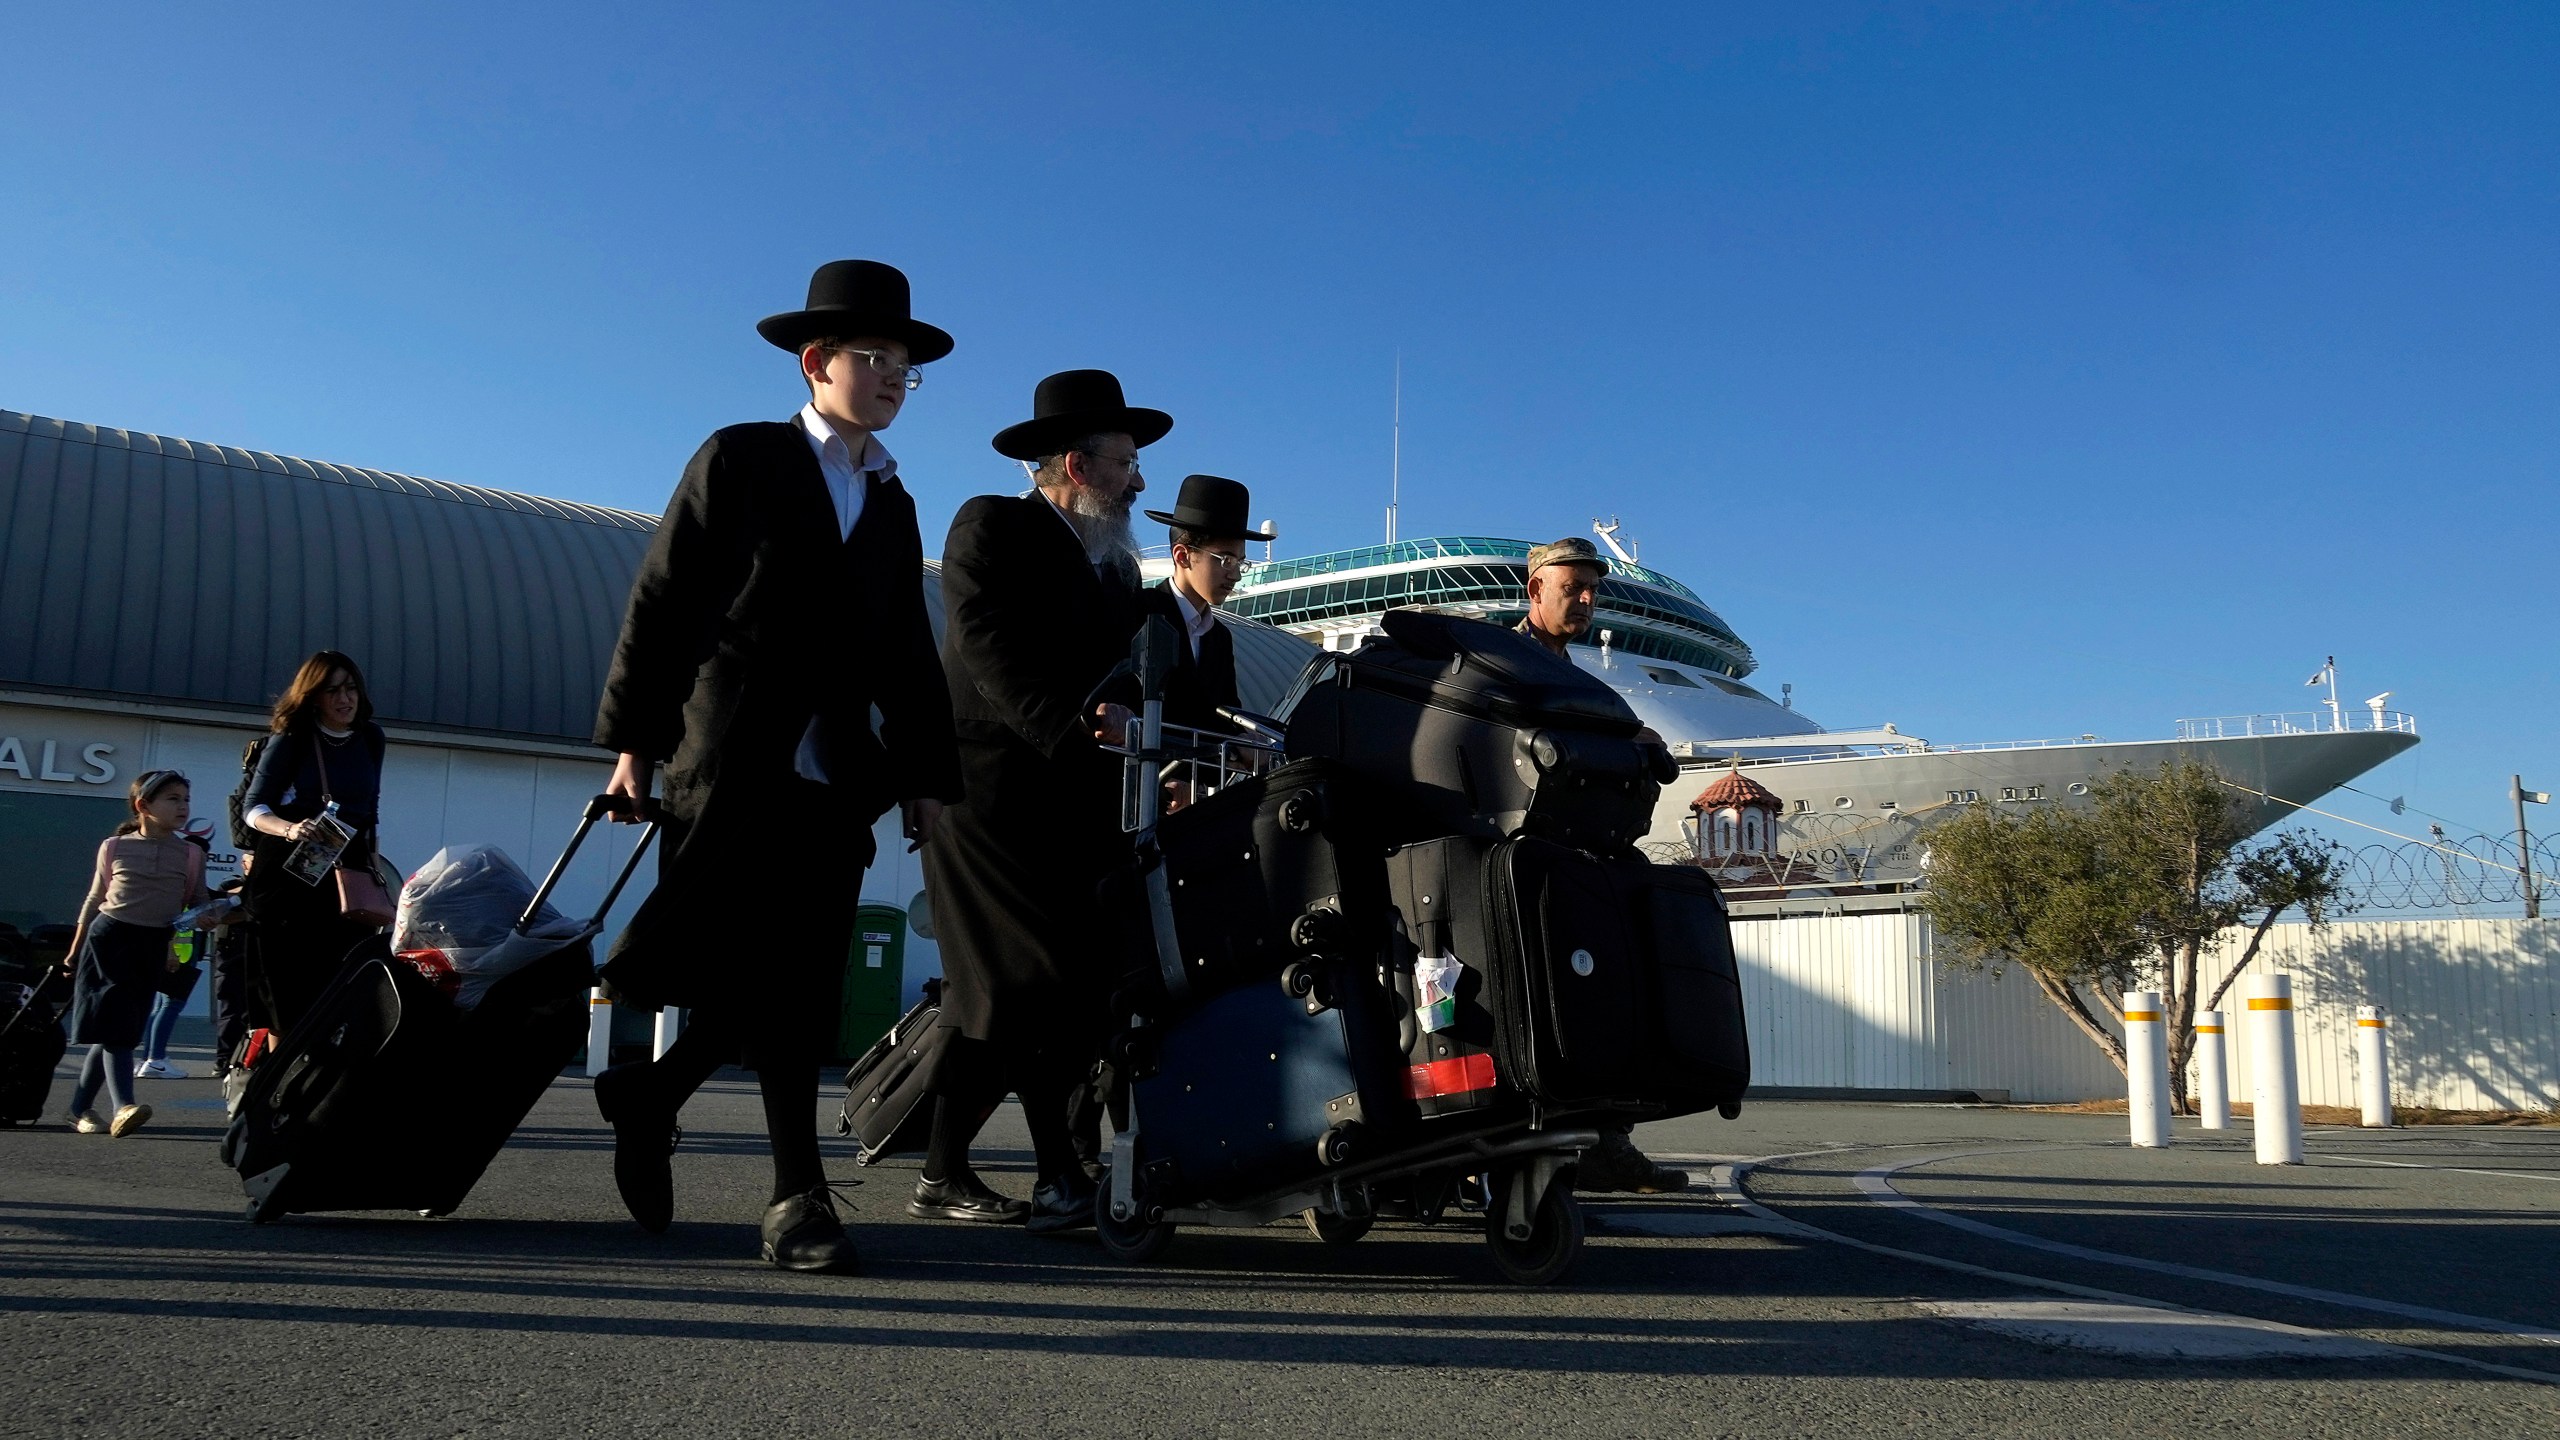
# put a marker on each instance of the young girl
(148, 872)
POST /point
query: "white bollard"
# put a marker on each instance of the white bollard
(2373, 1065)
(2146, 1068)
(663, 1034)
(599, 1032)
(2213, 1073)
(2276, 1120)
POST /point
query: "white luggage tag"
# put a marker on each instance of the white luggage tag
(1435, 985)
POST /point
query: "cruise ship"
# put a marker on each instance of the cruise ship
(1852, 803)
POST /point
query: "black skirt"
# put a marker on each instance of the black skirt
(119, 975)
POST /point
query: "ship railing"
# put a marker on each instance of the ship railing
(2300, 722)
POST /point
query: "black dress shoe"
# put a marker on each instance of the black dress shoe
(643, 1135)
(803, 1233)
(965, 1199)
(1065, 1203)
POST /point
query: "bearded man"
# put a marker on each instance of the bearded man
(1040, 597)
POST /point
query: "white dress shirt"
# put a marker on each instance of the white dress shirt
(1196, 618)
(847, 479)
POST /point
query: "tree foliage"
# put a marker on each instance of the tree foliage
(2134, 890)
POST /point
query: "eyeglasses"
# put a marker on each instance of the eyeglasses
(884, 363)
(1224, 560)
(1129, 460)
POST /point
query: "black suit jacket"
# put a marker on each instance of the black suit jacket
(1197, 687)
(749, 619)
(1029, 628)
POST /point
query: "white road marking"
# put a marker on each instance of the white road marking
(2448, 1169)
(1726, 1182)
(1878, 1185)
(2149, 1332)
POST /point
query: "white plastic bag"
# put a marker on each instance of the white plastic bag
(456, 922)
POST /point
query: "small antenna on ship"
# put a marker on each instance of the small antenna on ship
(1395, 453)
(1609, 536)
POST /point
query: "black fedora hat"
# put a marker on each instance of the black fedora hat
(849, 298)
(1213, 506)
(1072, 404)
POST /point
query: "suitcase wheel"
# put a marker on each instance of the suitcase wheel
(1340, 1145)
(1298, 813)
(1316, 931)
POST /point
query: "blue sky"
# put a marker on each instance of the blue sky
(1998, 370)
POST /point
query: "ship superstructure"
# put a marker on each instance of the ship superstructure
(1849, 805)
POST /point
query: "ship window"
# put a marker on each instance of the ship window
(1888, 804)
(1662, 676)
(1845, 803)
(1973, 797)
(2035, 792)
(1803, 806)
(2079, 789)
(2008, 792)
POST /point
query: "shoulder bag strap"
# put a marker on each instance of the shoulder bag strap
(322, 756)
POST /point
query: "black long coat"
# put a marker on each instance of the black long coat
(749, 619)
(1029, 629)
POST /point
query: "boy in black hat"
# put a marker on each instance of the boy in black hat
(781, 601)
(1209, 534)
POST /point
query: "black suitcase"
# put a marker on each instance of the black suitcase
(1262, 1087)
(388, 1096)
(1450, 1070)
(1594, 983)
(887, 1088)
(1485, 729)
(1275, 869)
(31, 1046)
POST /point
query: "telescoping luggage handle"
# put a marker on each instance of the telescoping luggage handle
(597, 809)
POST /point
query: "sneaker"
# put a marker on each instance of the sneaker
(158, 1070)
(129, 1119)
(88, 1123)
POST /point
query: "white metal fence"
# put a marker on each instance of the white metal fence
(1861, 1002)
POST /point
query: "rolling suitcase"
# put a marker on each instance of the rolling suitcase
(886, 1090)
(32, 1043)
(388, 1096)
(1591, 982)
(1267, 1085)
(1277, 868)
(1485, 729)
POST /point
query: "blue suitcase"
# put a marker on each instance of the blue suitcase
(1261, 1088)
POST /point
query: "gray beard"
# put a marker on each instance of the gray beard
(1103, 525)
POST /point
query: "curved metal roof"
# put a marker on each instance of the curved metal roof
(140, 566)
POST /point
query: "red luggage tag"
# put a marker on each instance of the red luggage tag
(1454, 1076)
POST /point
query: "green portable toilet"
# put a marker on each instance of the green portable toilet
(874, 978)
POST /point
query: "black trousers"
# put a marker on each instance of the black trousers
(229, 964)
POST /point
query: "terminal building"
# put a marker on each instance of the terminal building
(156, 594)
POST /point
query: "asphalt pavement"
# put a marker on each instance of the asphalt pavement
(1838, 1270)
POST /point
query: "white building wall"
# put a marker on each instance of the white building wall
(2475, 1009)
(1860, 1002)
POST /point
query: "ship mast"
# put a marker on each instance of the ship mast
(1395, 453)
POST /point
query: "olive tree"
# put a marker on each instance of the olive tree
(2137, 888)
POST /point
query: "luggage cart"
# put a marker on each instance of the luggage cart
(1518, 1171)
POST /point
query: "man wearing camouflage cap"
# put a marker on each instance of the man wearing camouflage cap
(1564, 582)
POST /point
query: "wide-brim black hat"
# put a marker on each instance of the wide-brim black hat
(849, 299)
(1072, 404)
(1215, 507)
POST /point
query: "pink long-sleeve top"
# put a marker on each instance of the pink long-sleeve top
(143, 880)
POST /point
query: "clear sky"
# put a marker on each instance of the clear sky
(1997, 370)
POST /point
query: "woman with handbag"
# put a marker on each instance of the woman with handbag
(315, 801)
